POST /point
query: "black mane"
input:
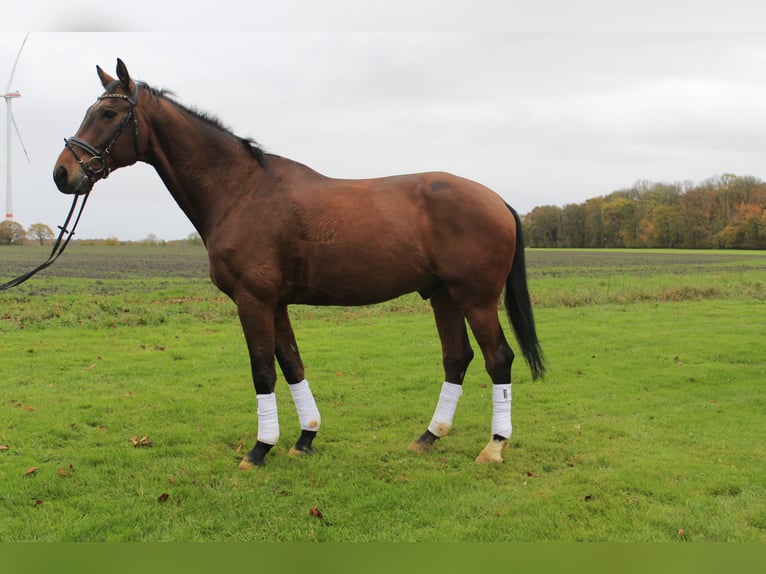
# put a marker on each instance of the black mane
(250, 144)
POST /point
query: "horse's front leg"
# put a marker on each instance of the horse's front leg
(292, 367)
(257, 321)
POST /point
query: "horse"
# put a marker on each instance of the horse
(279, 233)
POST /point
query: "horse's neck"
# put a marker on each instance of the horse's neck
(198, 164)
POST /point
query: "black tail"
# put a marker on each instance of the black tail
(519, 306)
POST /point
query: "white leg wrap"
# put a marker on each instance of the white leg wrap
(441, 423)
(501, 410)
(268, 419)
(308, 413)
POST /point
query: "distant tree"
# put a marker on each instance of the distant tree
(541, 226)
(747, 229)
(572, 232)
(40, 232)
(697, 214)
(619, 225)
(11, 233)
(667, 222)
(194, 238)
(662, 194)
(646, 232)
(594, 226)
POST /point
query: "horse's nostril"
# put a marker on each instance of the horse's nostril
(60, 176)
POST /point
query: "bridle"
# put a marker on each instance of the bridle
(97, 167)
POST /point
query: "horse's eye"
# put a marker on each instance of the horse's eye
(109, 113)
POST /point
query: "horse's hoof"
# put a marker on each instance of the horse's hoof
(488, 458)
(491, 452)
(299, 451)
(247, 464)
(419, 446)
(424, 443)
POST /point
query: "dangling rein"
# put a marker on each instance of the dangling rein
(58, 247)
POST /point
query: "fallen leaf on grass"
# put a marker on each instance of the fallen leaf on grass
(4, 447)
(143, 441)
(29, 408)
(315, 512)
(62, 472)
(163, 497)
(30, 470)
(39, 502)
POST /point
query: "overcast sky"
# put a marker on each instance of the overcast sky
(543, 110)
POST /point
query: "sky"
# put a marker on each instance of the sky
(547, 104)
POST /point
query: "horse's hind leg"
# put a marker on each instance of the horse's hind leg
(456, 356)
(498, 358)
(286, 350)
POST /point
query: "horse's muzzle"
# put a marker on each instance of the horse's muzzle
(76, 183)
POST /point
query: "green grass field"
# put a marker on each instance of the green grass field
(648, 426)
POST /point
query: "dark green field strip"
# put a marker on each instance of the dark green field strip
(584, 262)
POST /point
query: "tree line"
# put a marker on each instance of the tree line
(726, 211)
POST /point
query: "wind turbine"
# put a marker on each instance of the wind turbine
(9, 96)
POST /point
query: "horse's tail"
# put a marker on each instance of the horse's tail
(519, 306)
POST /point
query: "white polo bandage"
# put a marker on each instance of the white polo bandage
(308, 413)
(268, 419)
(501, 410)
(441, 423)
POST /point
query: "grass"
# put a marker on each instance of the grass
(647, 428)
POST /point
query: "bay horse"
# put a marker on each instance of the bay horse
(279, 233)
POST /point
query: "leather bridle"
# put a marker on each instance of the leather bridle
(97, 166)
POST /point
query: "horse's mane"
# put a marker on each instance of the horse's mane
(250, 144)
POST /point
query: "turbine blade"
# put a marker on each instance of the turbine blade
(18, 134)
(13, 70)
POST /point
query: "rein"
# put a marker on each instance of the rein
(58, 246)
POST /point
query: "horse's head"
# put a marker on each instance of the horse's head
(107, 139)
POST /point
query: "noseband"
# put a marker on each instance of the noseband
(97, 167)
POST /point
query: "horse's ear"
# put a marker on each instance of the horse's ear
(106, 79)
(122, 73)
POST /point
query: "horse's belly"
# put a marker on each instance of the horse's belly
(350, 275)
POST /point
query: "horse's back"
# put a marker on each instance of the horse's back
(437, 199)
